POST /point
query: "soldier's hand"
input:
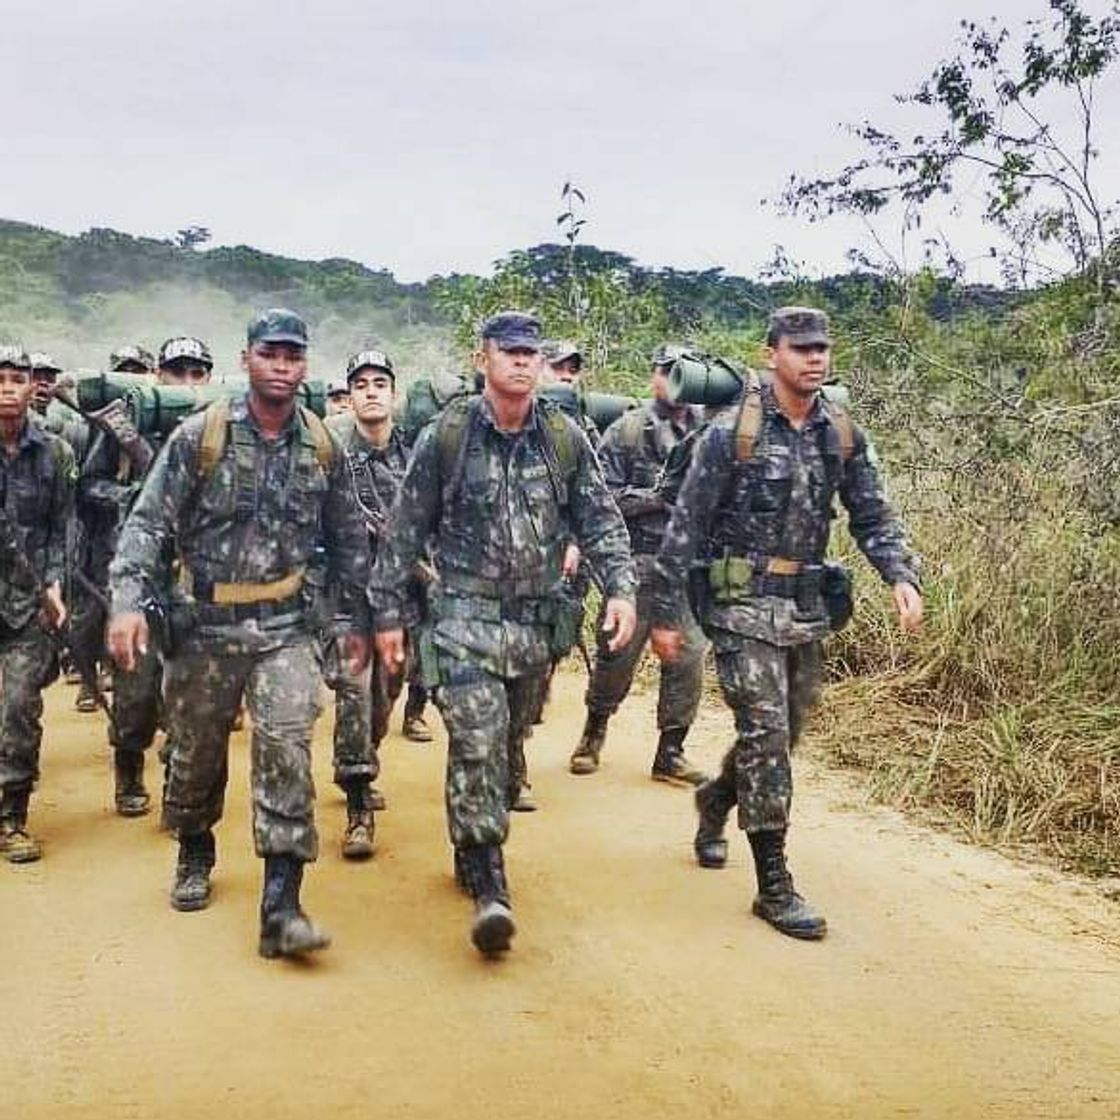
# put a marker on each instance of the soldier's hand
(908, 601)
(127, 639)
(666, 642)
(54, 609)
(355, 648)
(619, 619)
(571, 561)
(390, 648)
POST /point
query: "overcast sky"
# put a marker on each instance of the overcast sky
(426, 137)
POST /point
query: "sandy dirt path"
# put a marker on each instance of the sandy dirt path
(954, 983)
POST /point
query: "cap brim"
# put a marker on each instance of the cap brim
(809, 338)
(284, 336)
(519, 342)
(369, 365)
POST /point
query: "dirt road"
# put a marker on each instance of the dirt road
(953, 983)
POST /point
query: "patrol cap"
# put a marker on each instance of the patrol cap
(666, 354)
(40, 360)
(338, 388)
(15, 357)
(126, 354)
(277, 324)
(803, 326)
(561, 350)
(192, 349)
(513, 330)
(377, 359)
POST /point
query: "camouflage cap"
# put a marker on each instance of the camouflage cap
(666, 354)
(365, 359)
(803, 326)
(277, 324)
(561, 349)
(185, 348)
(41, 360)
(15, 357)
(131, 354)
(513, 330)
(338, 388)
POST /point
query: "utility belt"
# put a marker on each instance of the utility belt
(487, 609)
(733, 578)
(218, 603)
(464, 584)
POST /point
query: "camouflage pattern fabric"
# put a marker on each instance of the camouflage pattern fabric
(279, 675)
(136, 709)
(771, 690)
(487, 720)
(681, 681)
(28, 663)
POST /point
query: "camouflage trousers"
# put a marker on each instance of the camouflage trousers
(136, 708)
(678, 695)
(771, 690)
(487, 719)
(362, 707)
(278, 673)
(28, 663)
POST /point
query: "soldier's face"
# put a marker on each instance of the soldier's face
(509, 373)
(42, 381)
(338, 402)
(566, 372)
(659, 383)
(275, 370)
(800, 369)
(183, 373)
(16, 389)
(371, 395)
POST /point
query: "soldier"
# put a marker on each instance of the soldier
(499, 484)
(44, 375)
(338, 398)
(633, 451)
(249, 494)
(756, 508)
(131, 359)
(376, 457)
(565, 362)
(36, 495)
(185, 361)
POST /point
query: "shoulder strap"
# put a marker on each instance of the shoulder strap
(563, 441)
(451, 429)
(845, 429)
(631, 424)
(749, 424)
(215, 433)
(320, 438)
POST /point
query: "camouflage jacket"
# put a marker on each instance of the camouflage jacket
(497, 520)
(266, 509)
(776, 503)
(633, 450)
(36, 496)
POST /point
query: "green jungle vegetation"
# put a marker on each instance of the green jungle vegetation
(996, 410)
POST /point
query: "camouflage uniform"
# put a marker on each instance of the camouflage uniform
(751, 534)
(499, 534)
(363, 704)
(259, 516)
(36, 496)
(632, 452)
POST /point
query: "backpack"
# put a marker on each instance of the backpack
(215, 434)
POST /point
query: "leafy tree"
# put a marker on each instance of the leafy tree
(190, 237)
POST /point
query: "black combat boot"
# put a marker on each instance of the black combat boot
(17, 844)
(483, 872)
(585, 758)
(670, 764)
(414, 726)
(777, 902)
(191, 889)
(286, 931)
(714, 800)
(131, 797)
(358, 841)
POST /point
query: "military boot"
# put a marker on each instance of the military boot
(777, 902)
(714, 800)
(520, 795)
(131, 797)
(17, 844)
(414, 727)
(585, 758)
(86, 700)
(670, 764)
(191, 889)
(286, 931)
(358, 840)
(483, 871)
